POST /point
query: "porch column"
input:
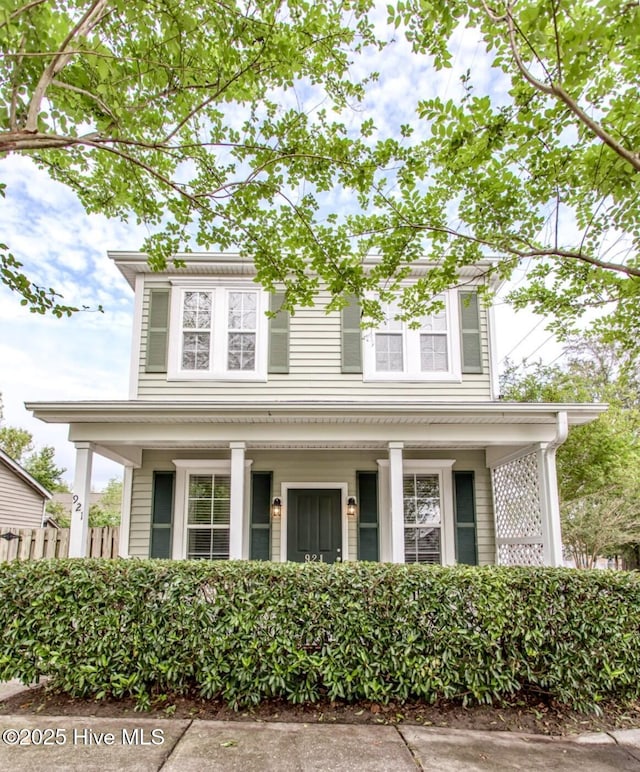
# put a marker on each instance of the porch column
(80, 500)
(549, 503)
(236, 520)
(125, 518)
(396, 502)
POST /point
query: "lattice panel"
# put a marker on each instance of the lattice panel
(518, 514)
(517, 498)
(521, 554)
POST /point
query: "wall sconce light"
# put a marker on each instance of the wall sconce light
(276, 507)
(352, 506)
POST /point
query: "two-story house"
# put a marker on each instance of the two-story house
(303, 437)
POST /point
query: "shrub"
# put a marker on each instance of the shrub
(244, 632)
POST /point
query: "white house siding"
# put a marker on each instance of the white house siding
(309, 466)
(20, 505)
(314, 370)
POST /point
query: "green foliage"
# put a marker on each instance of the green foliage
(41, 466)
(244, 632)
(15, 442)
(538, 163)
(107, 511)
(192, 117)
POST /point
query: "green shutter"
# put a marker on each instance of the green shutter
(367, 516)
(465, 508)
(157, 331)
(260, 548)
(278, 336)
(162, 515)
(470, 333)
(351, 337)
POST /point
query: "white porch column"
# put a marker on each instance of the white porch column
(549, 503)
(125, 518)
(80, 500)
(236, 521)
(396, 502)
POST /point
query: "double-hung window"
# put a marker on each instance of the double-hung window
(218, 333)
(208, 516)
(429, 350)
(422, 518)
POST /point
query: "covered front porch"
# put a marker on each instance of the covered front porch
(472, 482)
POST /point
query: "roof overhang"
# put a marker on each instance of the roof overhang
(315, 412)
(131, 264)
(15, 467)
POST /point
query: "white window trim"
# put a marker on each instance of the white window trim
(284, 493)
(444, 469)
(410, 345)
(184, 468)
(219, 332)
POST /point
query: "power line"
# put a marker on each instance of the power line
(522, 340)
(544, 343)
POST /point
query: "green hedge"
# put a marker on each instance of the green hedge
(249, 631)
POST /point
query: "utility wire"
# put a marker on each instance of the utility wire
(522, 340)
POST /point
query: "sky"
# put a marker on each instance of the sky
(87, 355)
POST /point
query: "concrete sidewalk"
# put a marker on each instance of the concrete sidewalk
(105, 744)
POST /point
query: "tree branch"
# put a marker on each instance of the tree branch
(101, 104)
(92, 16)
(558, 92)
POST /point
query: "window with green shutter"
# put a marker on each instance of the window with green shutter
(465, 509)
(351, 337)
(470, 333)
(157, 331)
(278, 336)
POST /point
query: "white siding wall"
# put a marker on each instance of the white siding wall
(312, 466)
(20, 505)
(315, 370)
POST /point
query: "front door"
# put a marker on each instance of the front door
(314, 525)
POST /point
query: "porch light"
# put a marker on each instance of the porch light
(276, 507)
(352, 506)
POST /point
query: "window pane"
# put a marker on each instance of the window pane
(422, 545)
(242, 310)
(434, 322)
(242, 351)
(195, 350)
(196, 312)
(199, 512)
(433, 353)
(389, 353)
(200, 486)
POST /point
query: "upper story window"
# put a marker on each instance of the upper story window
(221, 333)
(430, 351)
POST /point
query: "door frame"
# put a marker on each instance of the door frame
(343, 487)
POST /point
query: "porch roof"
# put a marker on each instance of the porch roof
(312, 411)
(122, 430)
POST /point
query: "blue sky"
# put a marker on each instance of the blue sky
(87, 356)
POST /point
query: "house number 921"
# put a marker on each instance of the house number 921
(77, 504)
(313, 558)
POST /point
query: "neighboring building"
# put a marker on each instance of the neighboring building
(304, 438)
(22, 498)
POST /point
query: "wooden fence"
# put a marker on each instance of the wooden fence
(37, 543)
